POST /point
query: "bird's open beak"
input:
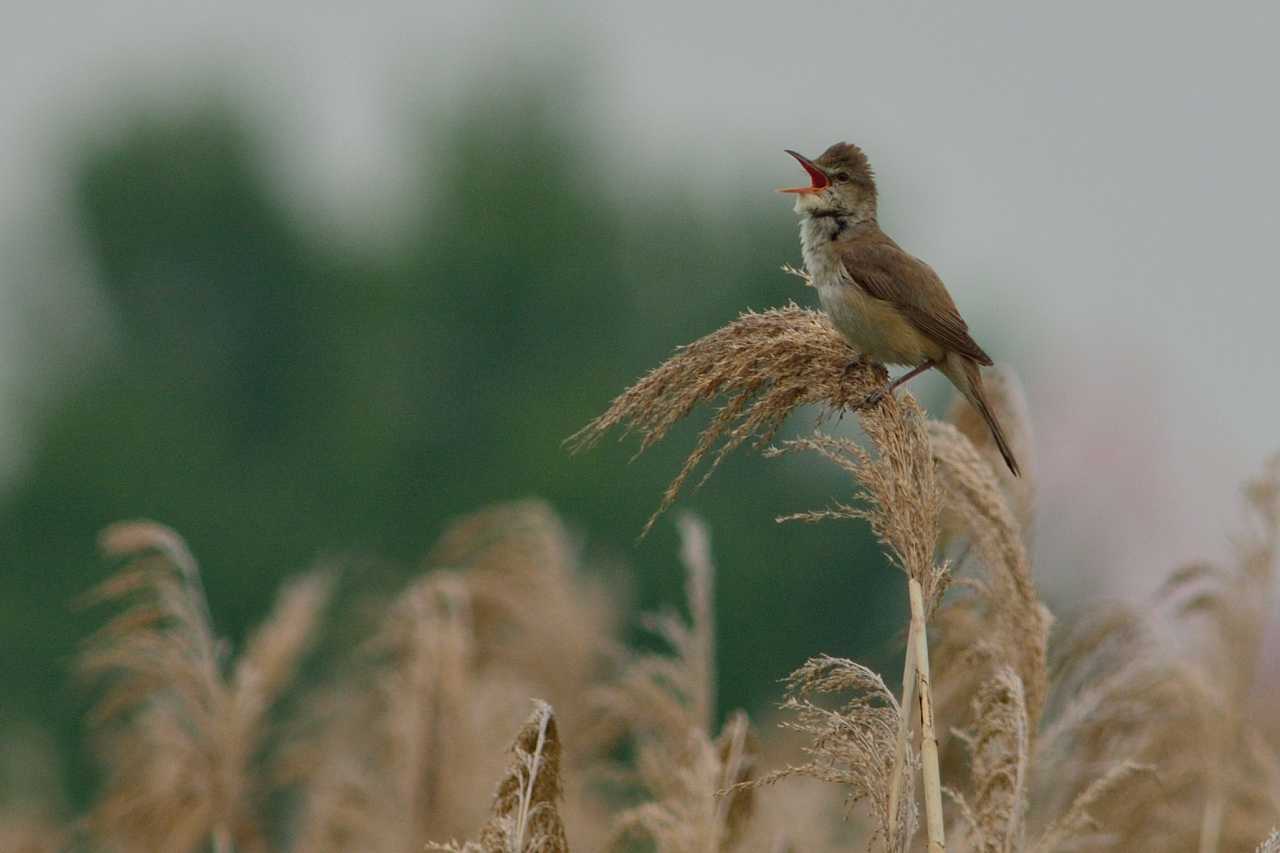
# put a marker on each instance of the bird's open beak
(819, 177)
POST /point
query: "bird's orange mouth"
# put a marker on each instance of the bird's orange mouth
(819, 177)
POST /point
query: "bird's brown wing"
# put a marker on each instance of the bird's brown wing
(885, 271)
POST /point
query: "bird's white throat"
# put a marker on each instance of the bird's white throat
(821, 260)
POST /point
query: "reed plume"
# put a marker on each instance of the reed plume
(666, 705)
(1220, 773)
(1115, 736)
(1000, 765)
(902, 502)
(524, 818)
(179, 735)
(1012, 624)
(536, 615)
(399, 752)
(765, 366)
(502, 613)
(852, 745)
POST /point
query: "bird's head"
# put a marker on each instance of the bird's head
(841, 184)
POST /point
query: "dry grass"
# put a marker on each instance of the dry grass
(179, 726)
(764, 365)
(853, 744)
(525, 816)
(1014, 622)
(408, 756)
(1130, 730)
(1178, 696)
(666, 706)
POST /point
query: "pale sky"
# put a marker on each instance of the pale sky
(1097, 180)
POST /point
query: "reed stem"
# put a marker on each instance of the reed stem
(906, 709)
(928, 738)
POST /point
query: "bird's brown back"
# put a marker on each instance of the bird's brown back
(875, 263)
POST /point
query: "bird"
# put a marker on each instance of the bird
(888, 304)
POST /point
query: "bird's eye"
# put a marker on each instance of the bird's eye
(842, 177)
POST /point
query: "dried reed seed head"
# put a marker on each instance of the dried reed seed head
(427, 723)
(666, 703)
(144, 548)
(162, 641)
(1077, 821)
(503, 536)
(899, 492)
(961, 655)
(696, 646)
(179, 739)
(164, 720)
(1018, 620)
(1234, 600)
(852, 745)
(827, 674)
(695, 553)
(525, 817)
(535, 766)
(1226, 789)
(1121, 691)
(326, 759)
(535, 618)
(664, 697)
(1000, 763)
(737, 747)
(765, 365)
(127, 538)
(533, 612)
(501, 613)
(268, 662)
(703, 797)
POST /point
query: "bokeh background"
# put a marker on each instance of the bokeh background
(305, 282)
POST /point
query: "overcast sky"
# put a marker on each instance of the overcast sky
(1098, 179)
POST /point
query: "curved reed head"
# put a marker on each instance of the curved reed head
(765, 366)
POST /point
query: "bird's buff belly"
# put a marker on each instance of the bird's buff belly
(874, 327)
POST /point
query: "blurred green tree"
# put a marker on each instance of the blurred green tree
(276, 399)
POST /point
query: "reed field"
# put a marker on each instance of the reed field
(492, 704)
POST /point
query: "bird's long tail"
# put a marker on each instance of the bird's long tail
(965, 374)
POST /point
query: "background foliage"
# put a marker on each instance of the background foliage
(282, 398)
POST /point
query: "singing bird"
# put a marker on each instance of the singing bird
(890, 305)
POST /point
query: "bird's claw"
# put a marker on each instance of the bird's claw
(875, 397)
(860, 361)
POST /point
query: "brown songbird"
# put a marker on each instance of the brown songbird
(890, 305)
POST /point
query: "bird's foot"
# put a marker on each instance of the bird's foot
(876, 396)
(859, 362)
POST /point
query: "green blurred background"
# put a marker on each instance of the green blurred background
(281, 399)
